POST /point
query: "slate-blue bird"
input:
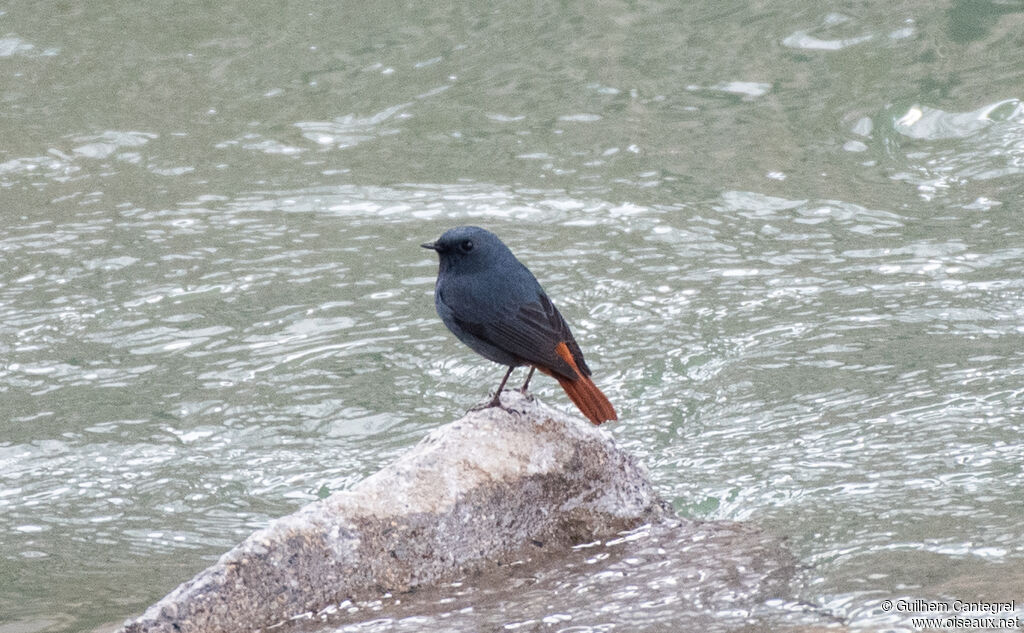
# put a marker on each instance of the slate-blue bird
(493, 303)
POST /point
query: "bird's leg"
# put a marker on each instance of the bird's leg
(526, 383)
(496, 401)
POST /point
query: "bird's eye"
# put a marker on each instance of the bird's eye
(466, 246)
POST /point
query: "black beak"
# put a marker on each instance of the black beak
(431, 245)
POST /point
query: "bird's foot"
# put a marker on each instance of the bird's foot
(495, 402)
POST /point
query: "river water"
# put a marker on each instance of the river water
(788, 236)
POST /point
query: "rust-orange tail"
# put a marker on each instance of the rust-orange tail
(582, 390)
(585, 395)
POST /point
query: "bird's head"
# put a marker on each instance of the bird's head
(468, 249)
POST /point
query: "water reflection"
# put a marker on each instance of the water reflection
(994, 147)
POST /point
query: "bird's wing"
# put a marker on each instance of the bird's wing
(532, 334)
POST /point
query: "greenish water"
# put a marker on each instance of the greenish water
(788, 236)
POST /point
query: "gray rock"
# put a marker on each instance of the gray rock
(472, 494)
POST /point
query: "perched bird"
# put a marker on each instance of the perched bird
(493, 304)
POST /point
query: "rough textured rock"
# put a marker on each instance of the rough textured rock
(471, 494)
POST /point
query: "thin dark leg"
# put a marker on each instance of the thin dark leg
(526, 383)
(496, 401)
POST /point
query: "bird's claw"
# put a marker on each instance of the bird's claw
(495, 402)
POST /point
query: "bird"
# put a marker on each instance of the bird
(492, 302)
